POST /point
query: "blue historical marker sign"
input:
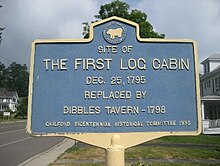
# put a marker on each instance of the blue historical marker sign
(113, 82)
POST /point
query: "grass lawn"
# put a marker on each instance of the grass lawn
(154, 152)
(201, 139)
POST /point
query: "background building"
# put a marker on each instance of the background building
(8, 100)
(210, 94)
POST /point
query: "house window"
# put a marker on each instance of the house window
(209, 111)
(209, 84)
(213, 86)
(219, 82)
(212, 110)
(218, 111)
(216, 85)
(202, 93)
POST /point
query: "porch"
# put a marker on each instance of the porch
(211, 114)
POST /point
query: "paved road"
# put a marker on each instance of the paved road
(16, 146)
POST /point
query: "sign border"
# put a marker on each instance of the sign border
(126, 140)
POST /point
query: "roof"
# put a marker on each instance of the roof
(216, 70)
(6, 93)
(213, 57)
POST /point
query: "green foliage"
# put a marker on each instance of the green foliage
(146, 29)
(140, 164)
(15, 78)
(169, 164)
(115, 8)
(201, 139)
(1, 29)
(22, 108)
(2, 74)
(72, 149)
(121, 9)
(8, 110)
(161, 155)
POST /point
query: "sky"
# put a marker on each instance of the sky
(27, 20)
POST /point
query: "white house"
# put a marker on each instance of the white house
(8, 100)
(210, 94)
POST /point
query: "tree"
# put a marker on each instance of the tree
(16, 78)
(2, 74)
(1, 29)
(22, 108)
(115, 8)
(121, 9)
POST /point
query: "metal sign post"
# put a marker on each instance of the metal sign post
(115, 153)
(115, 89)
